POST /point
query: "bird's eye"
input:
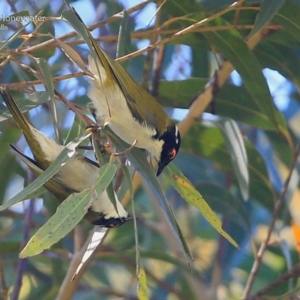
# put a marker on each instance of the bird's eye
(172, 153)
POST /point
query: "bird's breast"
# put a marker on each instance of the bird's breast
(112, 110)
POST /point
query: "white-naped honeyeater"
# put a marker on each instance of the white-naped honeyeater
(129, 110)
(77, 174)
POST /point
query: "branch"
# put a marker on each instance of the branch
(4, 288)
(22, 262)
(115, 17)
(68, 287)
(278, 205)
(22, 84)
(292, 273)
(215, 83)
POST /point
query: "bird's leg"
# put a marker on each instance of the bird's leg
(127, 150)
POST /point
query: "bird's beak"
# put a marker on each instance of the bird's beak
(161, 167)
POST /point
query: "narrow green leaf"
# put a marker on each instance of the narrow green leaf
(47, 80)
(54, 185)
(211, 145)
(288, 18)
(231, 44)
(193, 197)
(268, 9)
(107, 173)
(14, 36)
(69, 16)
(227, 104)
(223, 202)
(68, 214)
(236, 147)
(61, 159)
(142, 289)
(124, 39)
(26, 104)
(47, 77)
(73, 56)
(78, 128)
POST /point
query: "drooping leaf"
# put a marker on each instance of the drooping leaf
(267, 11)
(68, 214)
(288, 18)
(231, 44)
(142, 289)
(26, 104)
(223, 202)
(193, 197)
(236, 147)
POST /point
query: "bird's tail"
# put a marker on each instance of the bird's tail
(36, 140)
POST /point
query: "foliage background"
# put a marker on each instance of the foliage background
(197, 62)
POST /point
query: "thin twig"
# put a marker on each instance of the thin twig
(150, 54)
(145, 35)
(278, 205)
(292, 273)
(4, 288)
(180, 33)
(238, 12)
(68, 287)
(85, 119)
(22, 84)
(157, 66)
(131, 262)
(218, 79)
(68, 35)
(22, 262)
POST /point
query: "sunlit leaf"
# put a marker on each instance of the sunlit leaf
(236, 147)
(193, 197)
(142, 289)
(68, 214)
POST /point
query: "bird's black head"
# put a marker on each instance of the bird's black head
(170, 148)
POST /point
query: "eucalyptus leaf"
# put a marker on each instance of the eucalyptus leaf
(26, 104)
(267, 11)
(69, 213)
(142, 290)
(231, 44)
(236, 147)
(193, 197)
(67, 216)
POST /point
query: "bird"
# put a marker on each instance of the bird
(128, 109)
(79, 172)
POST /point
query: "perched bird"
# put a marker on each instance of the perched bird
(129, 110)
(77, 174)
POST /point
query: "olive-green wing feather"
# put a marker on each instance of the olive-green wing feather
(142, 105)
(28, 130)
(54, 186)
